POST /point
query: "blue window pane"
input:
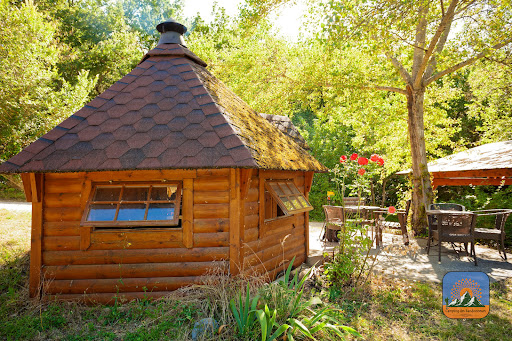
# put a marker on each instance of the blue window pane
(161, 212)
(131, 212)
(102, 213)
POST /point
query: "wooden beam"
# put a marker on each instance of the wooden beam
(308, 181)
(485, 173)
(85, 237)
(37, 184)
(470, 181)
(234, 222)
(188, 213)
(25, 177)
(245, 181)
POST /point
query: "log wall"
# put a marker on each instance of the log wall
(133, 262)
(222, 227)
(270, 245)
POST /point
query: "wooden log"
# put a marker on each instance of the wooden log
(123, 244)
(251, 208)
(61, 243)
(272, 274)
(211, 239)
(264, 254)
(269, 240)
(211, 225)
(251, 235)
(279, 262)
(251, 221)
(85, 237)
(211, 184)
(212, 197)
(234, 222)
(213, 172)
(253, 193)
(25, 178)
(54, 200)
(129, 256)
(61, 228)
(188, 212)
(63, 186)
(106, 298)
(62, 214)
(36, 239)
(275, 226)
(181, 269)
(146, 175)
(62, 176)
(152, 284)
(211, 211)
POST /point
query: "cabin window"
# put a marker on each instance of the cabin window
(133, 205)
(283, 198)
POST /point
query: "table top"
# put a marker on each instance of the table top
(430, 212)
(365, 207)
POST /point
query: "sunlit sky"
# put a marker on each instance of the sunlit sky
(288, 20)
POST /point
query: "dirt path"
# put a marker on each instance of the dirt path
(15, 205)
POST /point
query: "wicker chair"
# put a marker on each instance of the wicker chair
(454, 227)
(333, 222)
(498, 232)
(432, 219)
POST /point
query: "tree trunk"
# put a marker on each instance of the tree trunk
(421, 188)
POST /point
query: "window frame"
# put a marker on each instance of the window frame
(295, 193)
(134, 223)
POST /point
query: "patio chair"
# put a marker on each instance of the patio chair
(432, 219)
(498, 232)
(333, 222)
(454, 227)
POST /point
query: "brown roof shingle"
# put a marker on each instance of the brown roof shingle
(168, 112)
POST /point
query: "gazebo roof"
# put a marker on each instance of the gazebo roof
(169, 112)
(488, 164)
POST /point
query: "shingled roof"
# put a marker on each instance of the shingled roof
(169, 112)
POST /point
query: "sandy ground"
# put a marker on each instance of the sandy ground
(395, 259)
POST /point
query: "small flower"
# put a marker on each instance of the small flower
(391, 209)
(374, 158)
(343, 158)
(353, 157)
(362, 161)
(380, 161)
(361, 171)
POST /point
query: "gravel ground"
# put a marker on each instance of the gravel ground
(16, 205)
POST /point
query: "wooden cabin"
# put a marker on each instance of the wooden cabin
(160, 178)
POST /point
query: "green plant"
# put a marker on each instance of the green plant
(268, 322)
(245, 312)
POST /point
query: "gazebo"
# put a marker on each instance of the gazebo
(489, 164)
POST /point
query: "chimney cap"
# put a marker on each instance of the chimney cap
(171, 25)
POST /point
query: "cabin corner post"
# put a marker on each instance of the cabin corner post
(234, 222)
(308, 182)
(188, 212)
(37, 189)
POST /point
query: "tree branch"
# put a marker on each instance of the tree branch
(466, 62)
(435, 39)
(421, 31)
(386, 88)
(440, 46)
(400, 68)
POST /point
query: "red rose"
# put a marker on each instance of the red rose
(374, 158)
(391, 209)
(380, 161)
(343, 158)
(353, 157)
(362, 161)
(361, 171)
